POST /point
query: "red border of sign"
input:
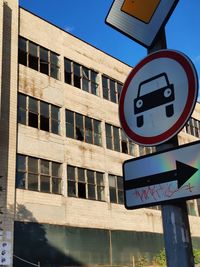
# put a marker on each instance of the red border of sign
(191, 73)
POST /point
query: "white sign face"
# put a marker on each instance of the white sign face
(140, 19)
(162, 177)
(158, 97)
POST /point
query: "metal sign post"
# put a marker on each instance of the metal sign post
(177, 237)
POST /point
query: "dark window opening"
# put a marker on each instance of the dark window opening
(81, 190)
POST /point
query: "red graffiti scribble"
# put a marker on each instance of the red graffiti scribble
(157, 192)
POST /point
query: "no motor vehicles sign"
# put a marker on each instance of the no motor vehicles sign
(158, 97)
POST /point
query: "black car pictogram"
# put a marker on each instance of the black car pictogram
(161, 93)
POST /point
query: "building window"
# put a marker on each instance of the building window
(38, 174)
(116, 140)
(38, 114)
(193, 127)
(146, 150)
(111, 89)
(83, 128)
(38, 58)
(116, 189)
(81, 77)
(84, 183)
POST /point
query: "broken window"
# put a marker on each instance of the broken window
(54, 60)
(22, 109)
(84, 183)
(38, 114)
(33, 58)
(44, 61)
(77, 75)
(38, 58)
(33, 113)
(116, 189)
(111, 89)
(38, 174)
(22, 53)
(44, 116)
(86, 129)
(81, 77)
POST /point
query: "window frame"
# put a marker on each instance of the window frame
(80, 81)
(111, 89)
(79, 183)
(39, 174)
(38, 115)
(80, 131)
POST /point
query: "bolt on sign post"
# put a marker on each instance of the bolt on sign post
(144, 22)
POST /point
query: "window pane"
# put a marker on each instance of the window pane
(22, 53)
(44, 166)
(55, 114)
(81, 174)
(88, 130)
(22, 116)
(56, 185)
(119, 89)
(90, 177)
(68, 71)
(55, 72)
(22, 101)
(54, 58)
(55, 126)
(44, 116)
(112, 181)
(105, 88)
(33, 105)
(71, 189)
(33, 182)
(97, 132)
(77, 75)
(69, 123)
(20, 180)
(113, 197)
(22, 44)
(81, 190)
(120, 197)
(116, 139)
(108, 136)
(85, 85)
(70, 173)
(21, 162)
(112, 91)
(33, 49)
(33, 56)
(56, 169)
(100, 193)
(99, 177)
(33, 120)
(44, 183)
(120, 185)
(94, 89)
(44, 65)
(32, 165)
(91, 191)
(79, 127)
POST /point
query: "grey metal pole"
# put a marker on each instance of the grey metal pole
(176, 229)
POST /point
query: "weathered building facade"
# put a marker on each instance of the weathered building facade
(63, 149)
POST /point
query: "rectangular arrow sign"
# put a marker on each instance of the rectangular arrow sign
(162, 177)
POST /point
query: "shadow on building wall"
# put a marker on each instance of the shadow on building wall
(32, 244)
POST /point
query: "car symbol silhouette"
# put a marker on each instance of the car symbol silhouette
(161, 93)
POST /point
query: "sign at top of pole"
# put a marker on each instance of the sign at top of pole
(140, 20)
(158, 97)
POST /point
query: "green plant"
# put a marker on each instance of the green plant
(196, 253)
(142, 262)
(160, 258)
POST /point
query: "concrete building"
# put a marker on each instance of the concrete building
(62, 151)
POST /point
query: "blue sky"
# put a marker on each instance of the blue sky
(85, 19)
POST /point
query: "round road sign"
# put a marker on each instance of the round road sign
(158, 97)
